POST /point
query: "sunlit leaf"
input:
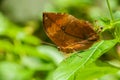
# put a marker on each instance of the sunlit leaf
(78, 61)
(95, 71)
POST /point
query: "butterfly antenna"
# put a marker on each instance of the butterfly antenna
(43, 42)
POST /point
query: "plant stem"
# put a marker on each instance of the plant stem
(108, 4)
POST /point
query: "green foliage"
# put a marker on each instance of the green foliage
(79, 61)
(24, 57)
(96, 70)
(89, 64)
(117, 32)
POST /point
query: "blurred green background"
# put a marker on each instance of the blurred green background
(24, 53)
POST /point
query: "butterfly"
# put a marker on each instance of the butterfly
(69, 33)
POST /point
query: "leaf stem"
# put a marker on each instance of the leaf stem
(108, 4)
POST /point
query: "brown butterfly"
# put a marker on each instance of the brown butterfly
(69, 33)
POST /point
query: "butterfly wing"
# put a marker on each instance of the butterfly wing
(68, 32)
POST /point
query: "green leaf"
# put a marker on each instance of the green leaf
(31, 40)
(5, 46)
(34, 63)
(111, 76)
(51, 52)
(95, 71)
(46, 53)
(105, 20)
(78, 61)
(117, 32)
(117, 15)
(14, 71)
